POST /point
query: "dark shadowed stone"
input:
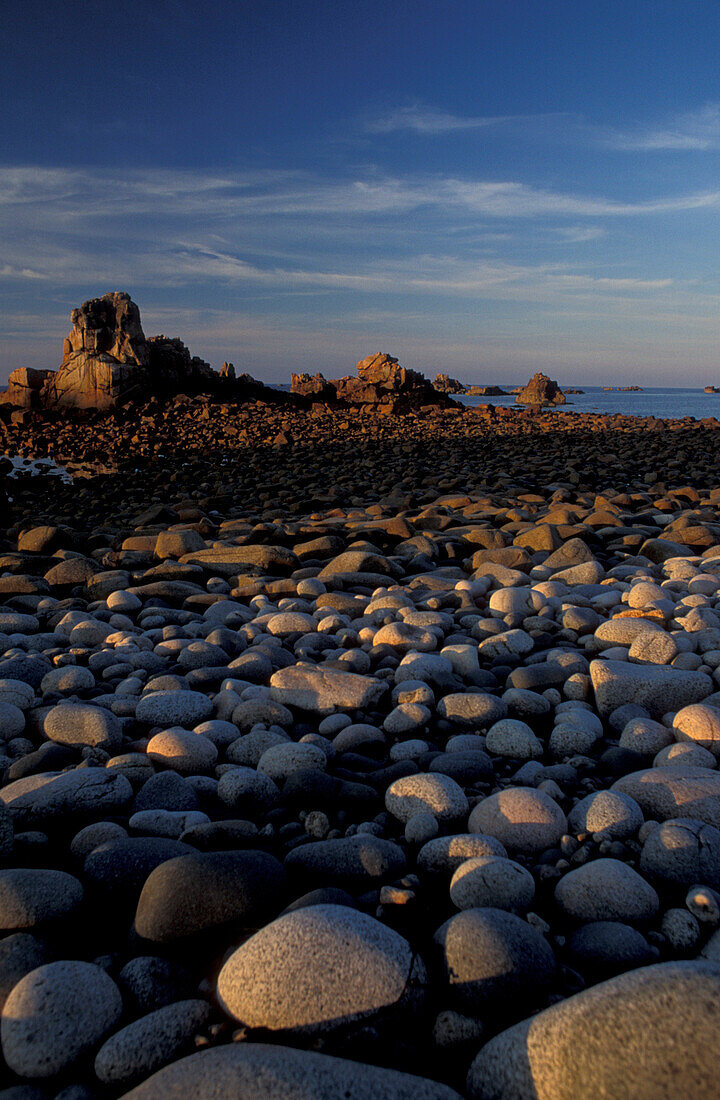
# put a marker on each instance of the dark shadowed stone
(19, 954)
(255, 1071)
(607, 947)
(355, 863)
(166, 791)
(206, 890)
(119, 868)
(150, 1042)
(148, 983)
(494, 961)
(650, 1034)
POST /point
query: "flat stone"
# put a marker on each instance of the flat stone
(324, 691)
(646, 1034)
(654, 687)
(664, 793)
(361, 970)
(476, 710)
(173, 708)
(356, 863)
(38, 800)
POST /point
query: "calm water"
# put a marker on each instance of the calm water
(653, 401)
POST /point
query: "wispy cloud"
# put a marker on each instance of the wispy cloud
(692, 130)
(59, 195)
(429, 120)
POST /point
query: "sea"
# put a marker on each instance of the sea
(664, 402)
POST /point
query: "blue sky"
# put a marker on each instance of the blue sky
(482, 187)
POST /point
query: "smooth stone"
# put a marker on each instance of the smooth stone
(280, 761)
(492, 881)
(55, 1014)
(361, 971)
(606, 889)
(476, 710)
(513, 738)
(184, 752)
(20, 953)
(426, 793)
(615, 815)
(649, 1034)
(699, 724)
(81, 724)
(255, 1071)
(148, 983)
(494, 961)
(682, 852)
(118, 869)
(204, 891)
(444, 854)
(12, 720)
(522, 819)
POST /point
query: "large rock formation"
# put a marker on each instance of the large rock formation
(541, 390)
(107, 361)
(105, 355)
(380, 381)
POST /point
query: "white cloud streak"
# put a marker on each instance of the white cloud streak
(697, 130)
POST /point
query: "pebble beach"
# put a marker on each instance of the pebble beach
(358, 755)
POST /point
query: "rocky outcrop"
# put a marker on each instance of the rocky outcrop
(25, 387)
(108, 361)
(314, 386)
(486, 391)
(541, 390)
(380, 381)
(445, 384)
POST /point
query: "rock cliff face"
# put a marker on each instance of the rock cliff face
(541, 390)
(380, 381)
(108, 361)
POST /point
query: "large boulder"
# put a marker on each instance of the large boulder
(314, 386)
(25, 387)
(380, 381)
(541, 390)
